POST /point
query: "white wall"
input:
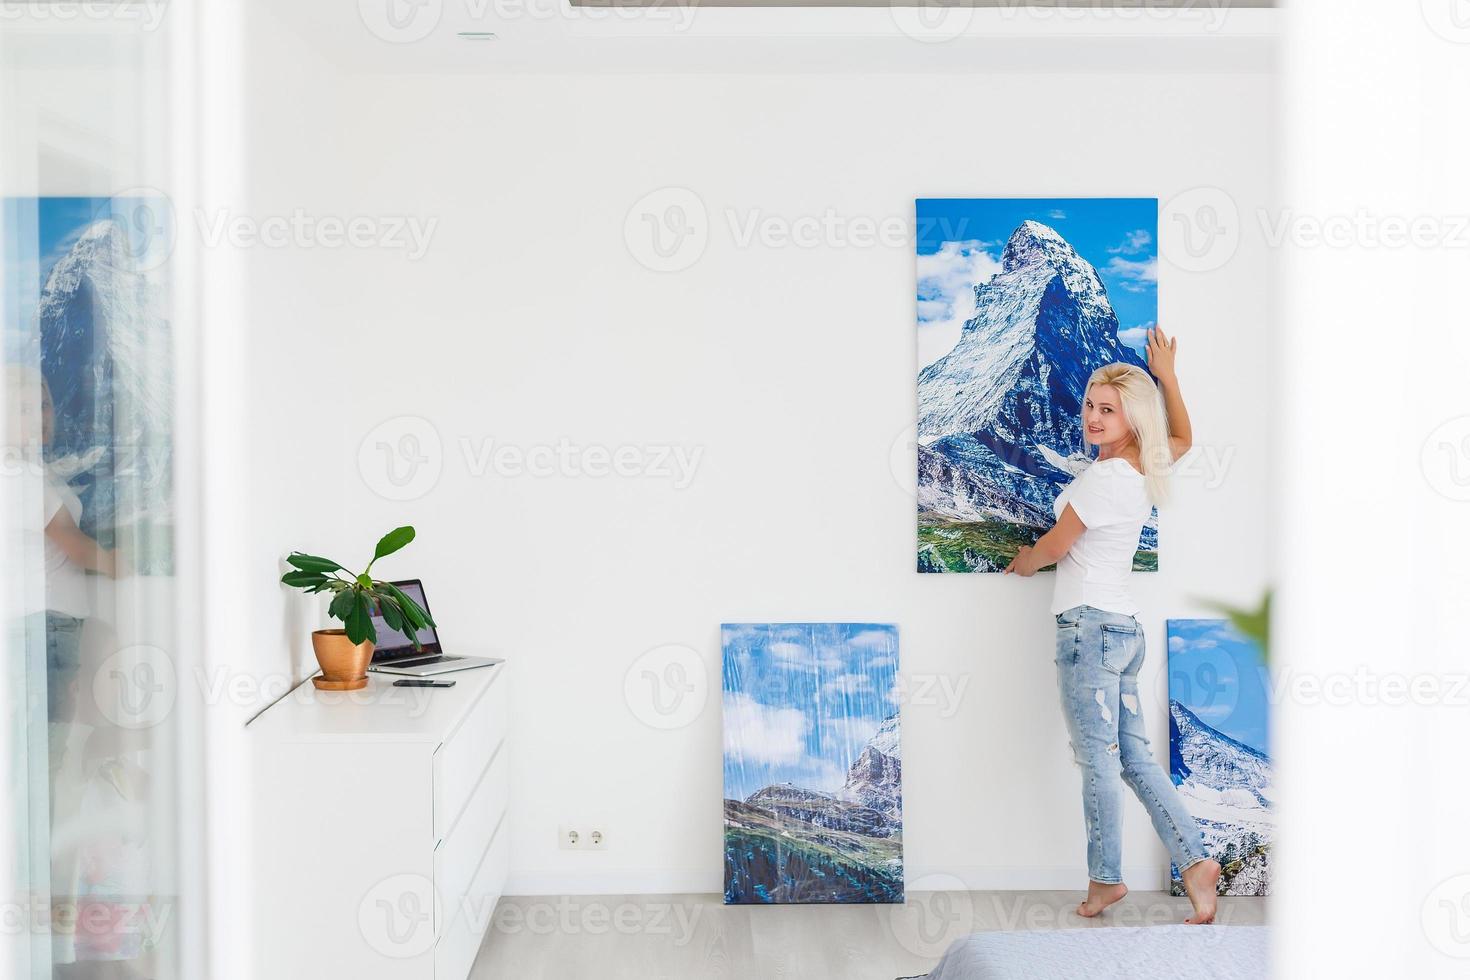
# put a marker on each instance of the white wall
(790, 370)
(292, 388)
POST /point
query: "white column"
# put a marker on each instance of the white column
(1372, 634)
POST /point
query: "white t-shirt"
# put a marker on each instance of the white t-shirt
(66, 583)
(1111, 498)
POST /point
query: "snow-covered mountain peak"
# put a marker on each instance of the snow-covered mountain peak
(103, 228)
(785, 793)
(1209, 757)
(97, 252)
(1037, 248)
(875, 779)
(1033, 242)
(885, 739)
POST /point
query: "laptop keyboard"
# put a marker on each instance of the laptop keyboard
(424, 661)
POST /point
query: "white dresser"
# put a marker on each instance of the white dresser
(380, 837)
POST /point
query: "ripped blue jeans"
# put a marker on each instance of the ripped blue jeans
(1099, 654)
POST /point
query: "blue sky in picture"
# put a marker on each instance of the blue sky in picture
(959, 243)
(802, 699)
(38, 231)
(1217, 673)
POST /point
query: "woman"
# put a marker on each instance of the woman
(83, 864)
(1099, 641)
(67, 553)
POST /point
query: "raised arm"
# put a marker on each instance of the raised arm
(1161, 352)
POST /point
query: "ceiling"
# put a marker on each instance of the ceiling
(589, 36)
(1176, 5)
(721, 36)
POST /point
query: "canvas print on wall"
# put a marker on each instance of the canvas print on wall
(86, 304)
(1019, 301)
(1219, 753)
(813, 796)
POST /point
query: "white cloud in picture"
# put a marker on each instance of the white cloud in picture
(766, 734)
(947, 280)
(1135, 276)
(1135, 337)
(872, 639)
(845, 684)
(789, 654)
(1133, 243)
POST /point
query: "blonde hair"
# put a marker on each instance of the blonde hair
(1143, 408)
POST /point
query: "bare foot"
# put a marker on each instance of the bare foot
(1199, 884)
(1099, 897)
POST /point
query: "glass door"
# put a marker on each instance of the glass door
(88, 592)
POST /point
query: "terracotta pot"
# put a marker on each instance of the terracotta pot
(344, 663)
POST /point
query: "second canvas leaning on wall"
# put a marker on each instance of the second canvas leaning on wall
(1219, 748)
(1019, 301)
(813, 777)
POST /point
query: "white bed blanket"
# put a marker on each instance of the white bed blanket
(1177, 952)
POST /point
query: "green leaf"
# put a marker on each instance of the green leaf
(397, 617)
(416, 615)
(303, 580)
(391, 542)
(359, 621)
(311, 563)
(342, 604)
(393, 609)
(411, 610)
(392, 614)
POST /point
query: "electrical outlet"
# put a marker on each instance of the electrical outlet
(572, 838)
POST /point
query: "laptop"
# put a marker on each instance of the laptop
(394, 653)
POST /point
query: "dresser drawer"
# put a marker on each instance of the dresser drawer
(458, 857)
(461, 760)
(472, 915)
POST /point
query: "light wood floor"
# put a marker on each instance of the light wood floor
(697, 937)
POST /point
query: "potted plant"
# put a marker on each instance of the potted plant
(344, 654)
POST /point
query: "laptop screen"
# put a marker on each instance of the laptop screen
(392, 643)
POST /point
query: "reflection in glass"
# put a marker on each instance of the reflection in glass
(88, 504)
